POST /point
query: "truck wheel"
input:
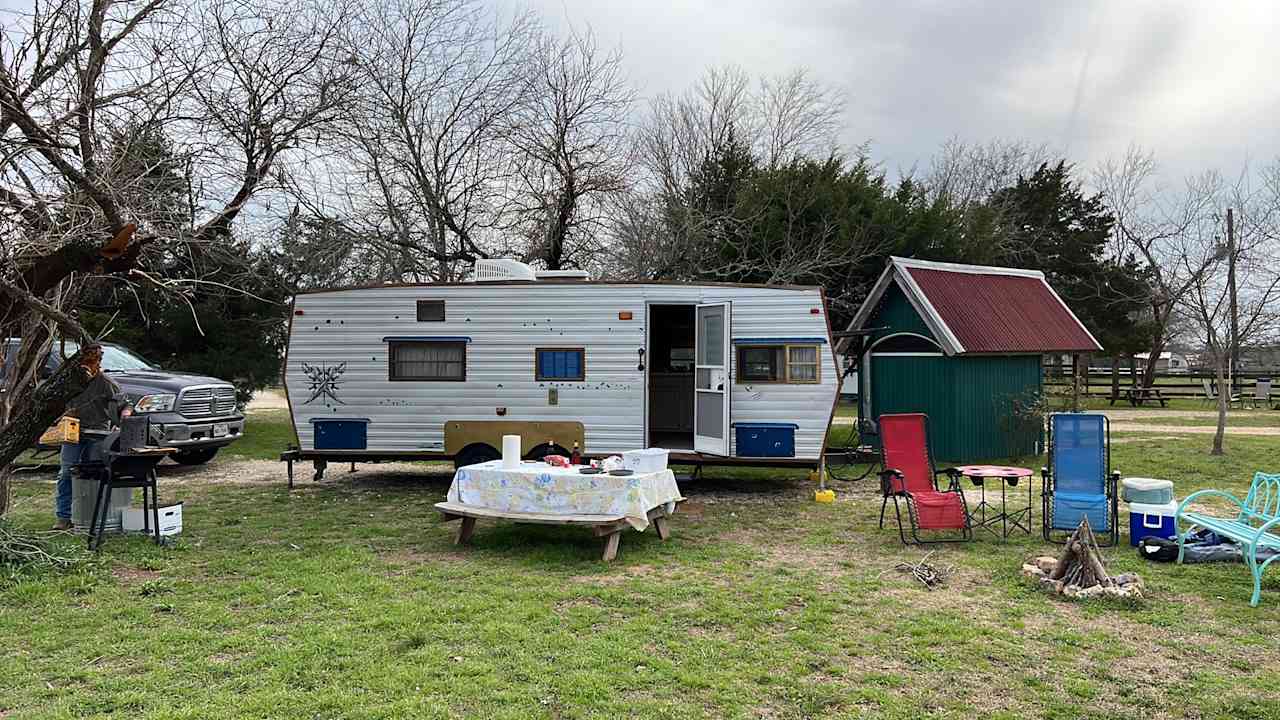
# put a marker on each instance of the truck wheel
(475, 453)
(194, 457)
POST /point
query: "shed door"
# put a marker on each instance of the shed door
(711, 381)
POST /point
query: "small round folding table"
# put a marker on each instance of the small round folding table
(986, 514)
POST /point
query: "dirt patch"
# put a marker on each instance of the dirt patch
(1193, 429)
(273, 472)
(1144, 438)
(271, 399)
(1122, 415)
(128, 576)
(629, 573)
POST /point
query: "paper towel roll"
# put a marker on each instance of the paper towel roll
(510, 451)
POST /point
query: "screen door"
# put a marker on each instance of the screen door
(711, 382)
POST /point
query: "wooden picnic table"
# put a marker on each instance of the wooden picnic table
(1139, 396)
(534, 492)
(610, 528)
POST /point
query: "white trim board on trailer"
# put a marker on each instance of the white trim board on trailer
(337, 362)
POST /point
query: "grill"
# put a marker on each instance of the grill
(207, 401)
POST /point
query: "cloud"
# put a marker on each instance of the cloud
(1186, 79)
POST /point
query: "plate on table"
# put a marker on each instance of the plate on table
(590, 471)
(622, 472)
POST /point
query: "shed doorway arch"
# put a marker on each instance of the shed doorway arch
(901, 344)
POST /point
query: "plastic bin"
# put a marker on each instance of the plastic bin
(1152, 519)
(648, 460)
(1147, 491)
(758, 439)
(340, 433)
(170, 520)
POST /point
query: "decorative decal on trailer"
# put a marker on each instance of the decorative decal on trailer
(324, 382)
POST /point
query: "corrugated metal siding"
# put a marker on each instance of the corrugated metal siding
(984, 390)
(967, 400)
(1002, 313)
(901, 384)
(505, 324)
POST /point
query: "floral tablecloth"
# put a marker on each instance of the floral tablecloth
(539, 488)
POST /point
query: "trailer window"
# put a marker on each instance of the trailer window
(443, 361)
(560, 364)
(778, 364)
(430, 311)
(802, 363)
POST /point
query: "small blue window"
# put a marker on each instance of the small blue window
(561, 364)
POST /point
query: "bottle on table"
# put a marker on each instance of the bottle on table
(575, 458)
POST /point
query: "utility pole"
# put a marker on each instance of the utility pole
(1231, 291)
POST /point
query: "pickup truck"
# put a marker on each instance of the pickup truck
(195, 414)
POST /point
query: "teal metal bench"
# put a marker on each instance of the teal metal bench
(1258, 515)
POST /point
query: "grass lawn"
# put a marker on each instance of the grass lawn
(347, 599)
(266, 434)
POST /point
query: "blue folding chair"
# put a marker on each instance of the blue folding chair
(1078, 482)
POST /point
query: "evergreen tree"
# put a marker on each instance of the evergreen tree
(1045, 221)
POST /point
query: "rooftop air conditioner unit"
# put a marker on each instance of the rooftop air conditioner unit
(562, 275)
(500, 269)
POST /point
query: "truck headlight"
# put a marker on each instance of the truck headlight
(155, 403)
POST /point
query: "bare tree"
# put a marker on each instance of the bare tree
(773, 121)
(1160, 227)
(572, 140)
(797, 116)
(81, 84)
(430, 166)
(967, 174)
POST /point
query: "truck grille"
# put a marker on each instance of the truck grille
(207, 401)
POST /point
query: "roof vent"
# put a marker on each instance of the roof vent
(563, 275)
(499, 269)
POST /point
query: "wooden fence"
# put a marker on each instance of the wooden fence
(1171, 385)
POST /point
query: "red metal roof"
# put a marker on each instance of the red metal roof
(1002, 313)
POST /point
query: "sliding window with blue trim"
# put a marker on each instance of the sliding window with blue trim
(561, 364)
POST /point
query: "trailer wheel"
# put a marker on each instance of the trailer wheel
(475, 453)
(545, 449)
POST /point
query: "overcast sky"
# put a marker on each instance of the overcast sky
(1193, 81)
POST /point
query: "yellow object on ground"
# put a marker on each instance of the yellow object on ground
(825, 496)
(65, 431)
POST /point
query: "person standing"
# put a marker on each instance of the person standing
(99, 406)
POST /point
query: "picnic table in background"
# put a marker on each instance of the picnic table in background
(535, 492)
(1140, 395)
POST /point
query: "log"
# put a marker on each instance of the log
(1081, 562)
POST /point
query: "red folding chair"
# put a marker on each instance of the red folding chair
(910, 476)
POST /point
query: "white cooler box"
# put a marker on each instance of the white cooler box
(170, 520)
(649, 460)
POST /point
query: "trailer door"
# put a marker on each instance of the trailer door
(711, 381)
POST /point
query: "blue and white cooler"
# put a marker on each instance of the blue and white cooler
(1152, 519)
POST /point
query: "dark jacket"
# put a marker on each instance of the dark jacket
(99, 405)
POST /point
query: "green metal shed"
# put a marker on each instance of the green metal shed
(962, 344)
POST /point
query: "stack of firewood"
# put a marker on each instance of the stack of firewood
(1079, 572)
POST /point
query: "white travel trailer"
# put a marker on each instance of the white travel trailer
(715, 373)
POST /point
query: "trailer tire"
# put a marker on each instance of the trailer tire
(475, 453)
